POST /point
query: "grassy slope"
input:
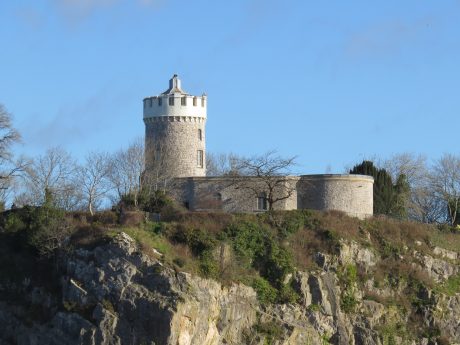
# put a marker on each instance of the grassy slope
(259, 250)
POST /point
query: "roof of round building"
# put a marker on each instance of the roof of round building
(174, 86)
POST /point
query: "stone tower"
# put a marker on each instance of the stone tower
(175, 135)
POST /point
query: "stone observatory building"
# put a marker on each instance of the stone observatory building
(175, 142)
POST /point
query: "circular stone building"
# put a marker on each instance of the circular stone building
(352, 194)
(175, 133)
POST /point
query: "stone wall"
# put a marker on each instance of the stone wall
(179, 140)
(352, 194)
(231, 194)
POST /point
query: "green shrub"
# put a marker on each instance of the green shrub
(266, 294)
(208, 265)
(156, 202)
(293, 221)
(451, 286)
(288, 295)
(200, 241)
(314, 307)
(348, 277)
(274, 264)
(105, 217)
(271, 330)
(159, 228)
(14, 223)
(179, 262)
(256, 246)
(48, 229)
(348, 302)
(249, 240)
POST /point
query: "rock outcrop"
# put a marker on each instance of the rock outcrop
(115, 295)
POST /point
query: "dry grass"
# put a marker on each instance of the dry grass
(343, 226)
(211, 222)
(449, 240)
(91, 236)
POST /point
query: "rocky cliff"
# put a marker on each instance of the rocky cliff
(115, 294)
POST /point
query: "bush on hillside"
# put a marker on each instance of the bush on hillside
(45, 228)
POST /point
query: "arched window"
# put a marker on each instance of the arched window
(200, 134)
(262, 201)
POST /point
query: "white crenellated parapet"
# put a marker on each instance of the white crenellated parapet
(183, 105)
(175, 102)
(175, 124)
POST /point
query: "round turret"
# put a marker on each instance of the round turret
(175, 132)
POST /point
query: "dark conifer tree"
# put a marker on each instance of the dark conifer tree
(389, 199)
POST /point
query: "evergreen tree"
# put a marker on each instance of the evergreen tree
(402, 189)
(389, 198)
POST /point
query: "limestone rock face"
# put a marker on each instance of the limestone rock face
(115, 295)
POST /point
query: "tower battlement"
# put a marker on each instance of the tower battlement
(175, 102)
(175, 125)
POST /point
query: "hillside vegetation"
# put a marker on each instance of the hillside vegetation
(383, 260)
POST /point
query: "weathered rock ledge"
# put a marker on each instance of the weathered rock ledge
(116, 295)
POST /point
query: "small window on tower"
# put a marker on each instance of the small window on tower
(171, 100)
(199, 158)
(194, 101)
(183, 101)
(202, 101)
(160, 101)
(200, 134)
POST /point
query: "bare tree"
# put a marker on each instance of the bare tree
(420, 203)
(222, 164)
(425, 205)
(8, 168)
(127, 165)
(269, 171)
(158, 172)
(93, 179)
(446, 184)
(51, 175)
(412, 166)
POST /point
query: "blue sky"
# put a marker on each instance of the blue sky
(332, 82)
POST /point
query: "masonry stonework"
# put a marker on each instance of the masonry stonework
(178, 139)
(352, 194)
(228, 194)
(175, 126)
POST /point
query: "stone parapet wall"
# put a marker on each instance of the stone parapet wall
(228, 194)
(352, 194)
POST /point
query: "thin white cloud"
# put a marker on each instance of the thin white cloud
(77, 122)
(150, 3)
(30, 16)
(387, 37)
(77, 10)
